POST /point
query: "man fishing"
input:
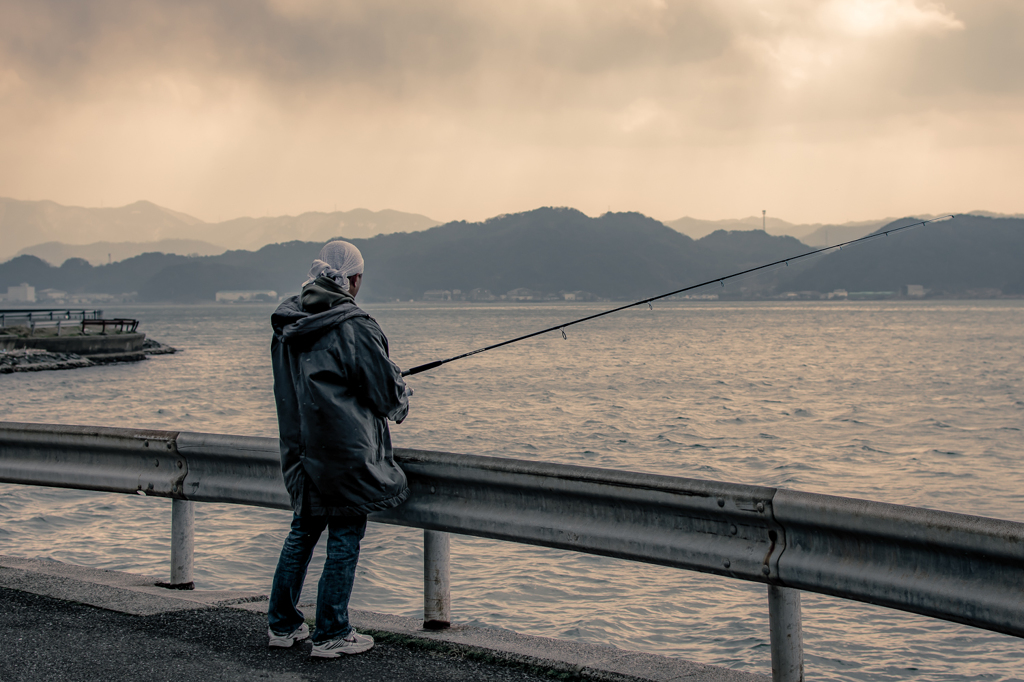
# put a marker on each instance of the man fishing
(336, 389)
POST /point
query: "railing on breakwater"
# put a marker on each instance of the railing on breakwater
(14, 315)
(56, 317)
(965, 569)
(123, 325)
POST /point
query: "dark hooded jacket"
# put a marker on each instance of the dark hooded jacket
(336, 389)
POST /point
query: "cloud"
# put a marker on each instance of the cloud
(535, 54)
(886, 17)
(809, 44)
(383, 43)
(214, 105)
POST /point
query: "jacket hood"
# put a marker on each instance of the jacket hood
(321, 305)
(323, 293)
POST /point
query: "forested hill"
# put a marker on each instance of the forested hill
(550, 250)
(617, 255)
(967, 254)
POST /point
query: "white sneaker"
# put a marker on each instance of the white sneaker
(354, 643)
(285, 641)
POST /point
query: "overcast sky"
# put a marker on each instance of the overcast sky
(827, 110)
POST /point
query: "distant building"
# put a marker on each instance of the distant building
(23, 293)
(524, 294)
(437, 295)
(984, 293)
(578, 296)
(249, 296)
(914, 291)
(51, 295)
(93, 298)
(870, 295)
(839, 293)
(480, 295)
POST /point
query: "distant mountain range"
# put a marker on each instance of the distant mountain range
(27, 225)
(55, 233)
(99, 253)
(550, 250)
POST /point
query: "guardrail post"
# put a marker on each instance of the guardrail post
(786, 634)
(437, 596)
(183, 524)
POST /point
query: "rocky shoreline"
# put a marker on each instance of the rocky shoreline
(36, 360)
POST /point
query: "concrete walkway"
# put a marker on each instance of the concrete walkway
(65, 622)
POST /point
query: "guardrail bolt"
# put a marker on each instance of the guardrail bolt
(180, 463)
(760, 506)
(721, 502)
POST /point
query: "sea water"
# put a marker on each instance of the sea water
(909, 402)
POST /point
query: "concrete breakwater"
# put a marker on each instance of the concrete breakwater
(79, 344)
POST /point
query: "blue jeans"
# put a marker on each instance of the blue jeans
(335, 587)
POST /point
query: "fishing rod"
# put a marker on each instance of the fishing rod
(648, 301)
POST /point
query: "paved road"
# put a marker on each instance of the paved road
(42, 638)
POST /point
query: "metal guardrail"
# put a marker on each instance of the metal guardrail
(960, 568)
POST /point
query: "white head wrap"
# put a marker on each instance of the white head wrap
(339, 261)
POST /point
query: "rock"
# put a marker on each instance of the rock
(32, 360)
(37, 360)
(151, 347)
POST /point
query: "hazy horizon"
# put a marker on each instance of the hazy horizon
(738, 217)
